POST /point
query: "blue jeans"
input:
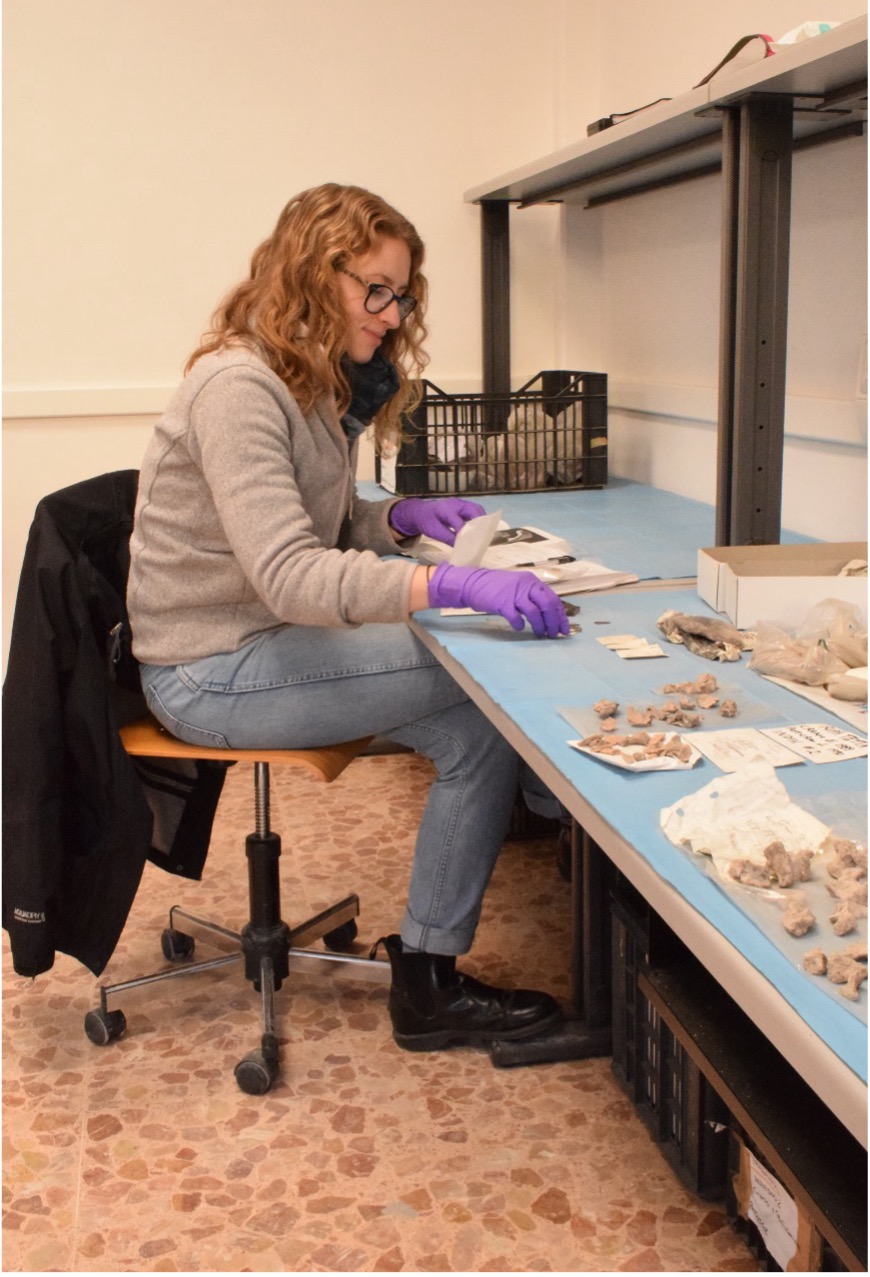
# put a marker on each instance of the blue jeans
(300, 686)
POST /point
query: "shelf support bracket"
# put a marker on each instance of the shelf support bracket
(756, 216)
(496, 309)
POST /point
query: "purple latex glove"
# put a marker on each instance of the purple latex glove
(514, 595)
(440, 520)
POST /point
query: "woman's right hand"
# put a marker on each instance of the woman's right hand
(517, 596)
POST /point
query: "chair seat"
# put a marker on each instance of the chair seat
(146, 737)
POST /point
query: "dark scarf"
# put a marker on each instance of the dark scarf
(371, 386)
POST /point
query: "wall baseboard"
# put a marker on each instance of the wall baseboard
(86, 401)
(815, 419)
(125, 401)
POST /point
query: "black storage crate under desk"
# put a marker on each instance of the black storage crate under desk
(551, 433)
(678, 1106)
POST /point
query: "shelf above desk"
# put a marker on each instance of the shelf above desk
(826, 75)
(747, 125)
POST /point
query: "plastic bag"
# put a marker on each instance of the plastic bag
(838, 626)
(829, 642)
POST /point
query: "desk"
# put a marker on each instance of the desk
(520, 684)
(521, 689)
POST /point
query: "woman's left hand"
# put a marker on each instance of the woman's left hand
(440, 519)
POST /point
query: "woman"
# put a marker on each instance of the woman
(263, 610)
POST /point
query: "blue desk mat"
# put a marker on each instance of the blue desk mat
(531, 679)
(627, 526)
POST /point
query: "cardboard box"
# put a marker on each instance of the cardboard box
(779, 583)
(776, 1225)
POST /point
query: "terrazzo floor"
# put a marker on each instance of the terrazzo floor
(144, 1156)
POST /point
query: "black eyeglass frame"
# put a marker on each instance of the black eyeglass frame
(405, 302)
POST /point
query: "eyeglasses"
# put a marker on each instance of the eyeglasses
(379, 296)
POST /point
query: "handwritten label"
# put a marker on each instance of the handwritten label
(820, 742)
(773, 1212)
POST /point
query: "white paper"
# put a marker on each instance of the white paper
(733, 748)
(819, 742)
(630, 647)
(472, 540)
(773, 1212)
(616, 641)
(738, 815)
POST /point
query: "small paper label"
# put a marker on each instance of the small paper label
(640, 653)
(819, 742)
(773, 1212)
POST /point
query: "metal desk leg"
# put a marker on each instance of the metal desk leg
(585, 1031)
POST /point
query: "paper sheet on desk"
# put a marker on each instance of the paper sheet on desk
(733, 748)
(738, 815)
(852, 712)
(489, 542)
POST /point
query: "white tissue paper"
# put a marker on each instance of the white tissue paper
(738, 815)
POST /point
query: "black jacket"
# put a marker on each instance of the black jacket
(79, 815)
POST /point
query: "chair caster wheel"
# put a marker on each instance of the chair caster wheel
(102, 1027)
(176, 945)
(255, 1073)
(342, 937)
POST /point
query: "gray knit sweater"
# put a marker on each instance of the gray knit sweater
(247, 519)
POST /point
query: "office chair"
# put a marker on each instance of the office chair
(78, 817)
(265, 943)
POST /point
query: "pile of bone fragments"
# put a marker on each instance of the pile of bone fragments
(678, 711)
(846, 863)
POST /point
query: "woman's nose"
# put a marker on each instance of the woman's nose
(390, 314)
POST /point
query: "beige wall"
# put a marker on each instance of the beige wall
(149, 145)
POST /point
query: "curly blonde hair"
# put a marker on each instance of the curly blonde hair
(291, 309)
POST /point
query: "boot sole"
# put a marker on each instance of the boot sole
(443, 1038)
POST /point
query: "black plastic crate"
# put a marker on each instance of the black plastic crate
(682, 1112)
(551, 433)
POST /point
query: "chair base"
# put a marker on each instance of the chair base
(267, 954)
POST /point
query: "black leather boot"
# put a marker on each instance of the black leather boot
(432, 1005)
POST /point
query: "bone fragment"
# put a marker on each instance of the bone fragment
(605, 709)
(749, 873)
(707, 701)
(815, 962)
(639, 717)
(844, 919)
(844, 970)
(802, 864)
(798, 919)
(848, 889)
(779, 863)
(847, 855)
